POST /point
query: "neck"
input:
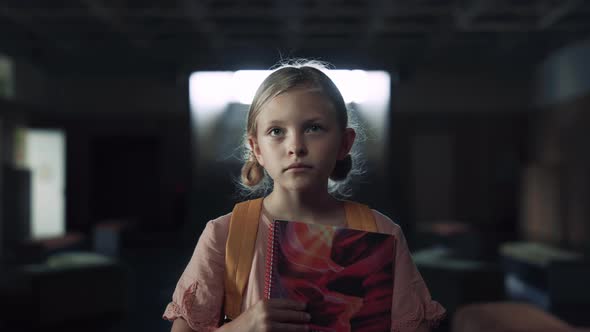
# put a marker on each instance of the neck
(303, 206)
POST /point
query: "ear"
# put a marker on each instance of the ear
(346, 143)
(255, 149)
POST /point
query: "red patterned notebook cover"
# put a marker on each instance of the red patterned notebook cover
(344, 275)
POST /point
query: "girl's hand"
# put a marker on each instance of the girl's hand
(272, 315)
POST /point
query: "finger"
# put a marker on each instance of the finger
(288, 316)
(286, 304)
(289, 327)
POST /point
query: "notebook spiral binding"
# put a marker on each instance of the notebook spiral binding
(271, 258)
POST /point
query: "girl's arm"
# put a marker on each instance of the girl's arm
(198, 296)
(412, 304)
(180, 325)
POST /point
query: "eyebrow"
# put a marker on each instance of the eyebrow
(307, 121)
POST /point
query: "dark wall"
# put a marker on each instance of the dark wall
(556, 198)
(458, 140)
(142, 159)
(488, 151)
(127, 143)
(13, 200)
(557, 208)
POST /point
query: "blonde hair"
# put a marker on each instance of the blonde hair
(254, 179)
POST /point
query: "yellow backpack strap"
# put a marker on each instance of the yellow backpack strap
(360, 216)
(239, 252)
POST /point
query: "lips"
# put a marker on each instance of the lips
(296, 166)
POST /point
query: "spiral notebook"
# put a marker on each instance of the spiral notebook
(344, 275)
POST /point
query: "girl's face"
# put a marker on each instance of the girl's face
(298, 139)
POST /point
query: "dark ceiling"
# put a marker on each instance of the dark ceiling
(177, 34)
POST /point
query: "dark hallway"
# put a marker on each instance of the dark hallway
(472, 120)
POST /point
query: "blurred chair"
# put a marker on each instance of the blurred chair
(456, 281)
(69, 286)
(110, 237)
(551, 278)
(508, 317)
(38, 250)
(464, 240)
(457, 263)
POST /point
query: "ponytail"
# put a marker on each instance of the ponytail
(252, 172)
(342, 168)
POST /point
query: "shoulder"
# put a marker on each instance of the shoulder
(219, 227)
(386, 225)
(216, 229)
(220, 222)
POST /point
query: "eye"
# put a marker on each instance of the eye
(314, 128)
(275, 132)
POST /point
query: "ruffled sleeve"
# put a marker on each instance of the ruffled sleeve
(198, 296)
(412, 305)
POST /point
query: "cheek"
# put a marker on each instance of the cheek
(267, 154)
(329, 147)
(265, 149)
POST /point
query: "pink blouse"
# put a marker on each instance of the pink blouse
(199, 293)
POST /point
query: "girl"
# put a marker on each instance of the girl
(299, 147)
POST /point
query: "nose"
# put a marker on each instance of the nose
(297, 145)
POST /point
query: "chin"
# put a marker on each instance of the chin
(302, 186)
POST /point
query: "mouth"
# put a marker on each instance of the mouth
(297, 166)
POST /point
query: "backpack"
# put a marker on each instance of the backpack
(241, 238)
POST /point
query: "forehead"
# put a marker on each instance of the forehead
(298, 103)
